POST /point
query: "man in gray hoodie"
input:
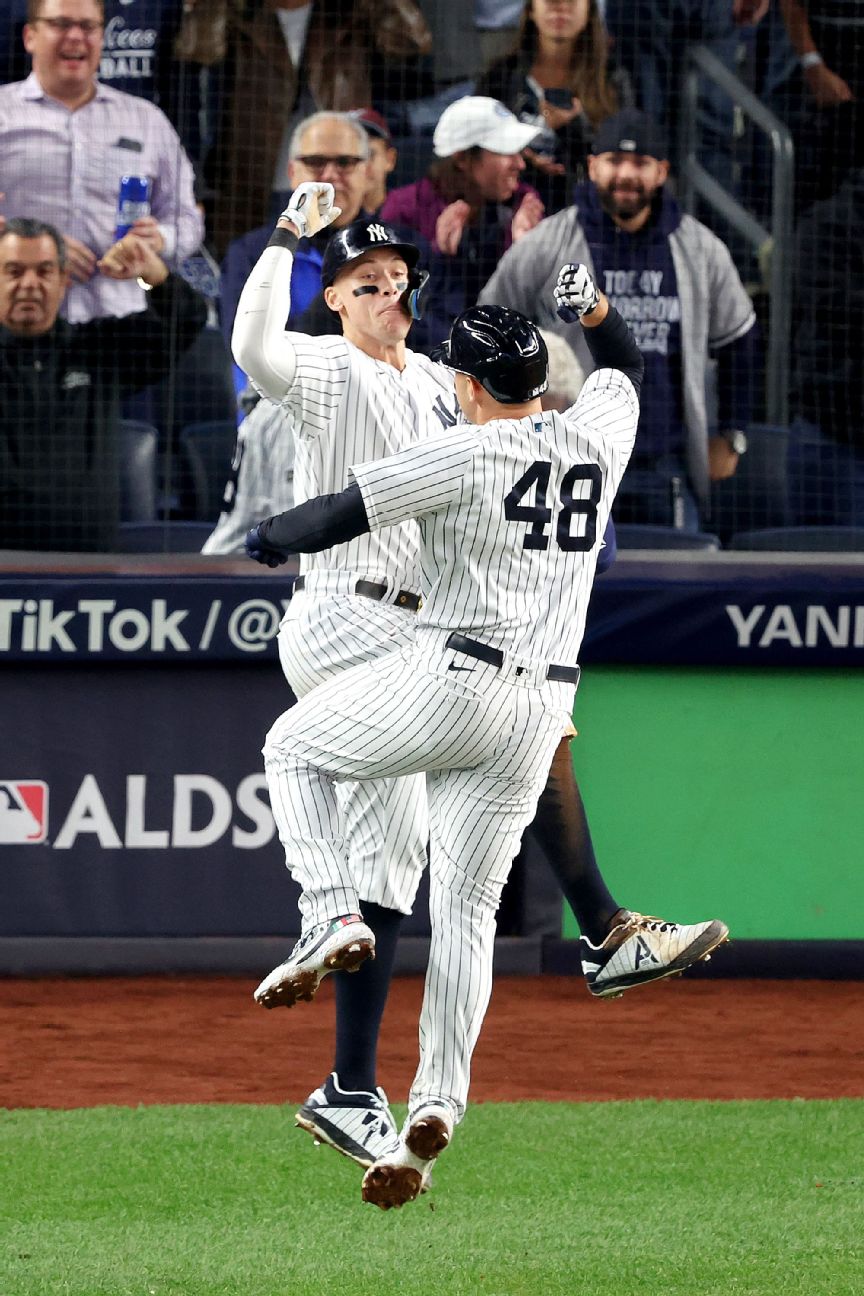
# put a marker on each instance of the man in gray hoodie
(677, 287)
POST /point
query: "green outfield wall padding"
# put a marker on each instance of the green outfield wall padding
(728, 794)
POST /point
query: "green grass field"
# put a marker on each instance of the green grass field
(599, 1199)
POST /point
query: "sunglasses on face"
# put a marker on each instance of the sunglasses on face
(318, 162)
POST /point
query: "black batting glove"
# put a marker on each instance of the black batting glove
(258, 548)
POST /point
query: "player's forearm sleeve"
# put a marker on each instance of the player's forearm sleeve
(318, 524)
(613, 346)
(608, 550)
(260, 344)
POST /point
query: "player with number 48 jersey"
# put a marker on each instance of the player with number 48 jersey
(511, 508)
(501, 575)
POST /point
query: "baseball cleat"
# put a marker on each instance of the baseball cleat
(640, 949)
(401, 1176)
(339, 945)
(358, 1124)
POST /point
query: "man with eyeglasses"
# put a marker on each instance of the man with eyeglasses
(66, 141)
(333, 148)
(329, 147)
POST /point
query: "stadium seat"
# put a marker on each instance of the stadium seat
(162, 537)
(207, 449)
(758, 494)
(632, 535)
(201, 389)
(138, 478)
(826, 478)
(204, 390)
(802, 539)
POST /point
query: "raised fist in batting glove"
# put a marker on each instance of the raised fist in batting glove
(311, 208)
(575, 293)
(258, 548)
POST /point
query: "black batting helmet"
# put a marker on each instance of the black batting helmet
(502, 349)
(365, 235)
(358, 238)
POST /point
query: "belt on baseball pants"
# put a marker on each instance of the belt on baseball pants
(372, 590)
(495, 657)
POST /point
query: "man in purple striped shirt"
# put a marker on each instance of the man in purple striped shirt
(65, 142)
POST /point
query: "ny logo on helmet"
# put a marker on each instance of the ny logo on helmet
(379, 233)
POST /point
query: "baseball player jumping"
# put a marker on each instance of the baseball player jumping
(511, 509)
(365, 396)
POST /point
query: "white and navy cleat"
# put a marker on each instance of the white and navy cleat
(358, 1124)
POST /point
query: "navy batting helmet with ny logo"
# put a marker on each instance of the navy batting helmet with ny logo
(367, 235)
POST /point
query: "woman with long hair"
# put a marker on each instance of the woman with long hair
(559, 78)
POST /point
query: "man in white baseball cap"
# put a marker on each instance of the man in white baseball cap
(472, 204)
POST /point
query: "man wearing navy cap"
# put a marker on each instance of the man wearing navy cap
(676, 285)
(382, 156)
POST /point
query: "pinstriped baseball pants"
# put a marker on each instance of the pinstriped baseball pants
(485, 738)
(385, 821)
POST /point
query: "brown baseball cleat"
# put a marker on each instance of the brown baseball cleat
(391, 1186)
(401, 1176)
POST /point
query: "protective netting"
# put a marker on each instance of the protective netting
(118, 419)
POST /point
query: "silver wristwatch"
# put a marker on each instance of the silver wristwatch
(737, 440)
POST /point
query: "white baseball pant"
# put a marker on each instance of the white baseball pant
(485, 737)
(325, 632)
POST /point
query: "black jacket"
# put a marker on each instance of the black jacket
(828, 315)
(59, 410)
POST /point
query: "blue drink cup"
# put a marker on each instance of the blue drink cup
(133, 202)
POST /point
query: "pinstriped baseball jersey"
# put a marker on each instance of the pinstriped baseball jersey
(347, 407)
(261, 480)
(512, 515)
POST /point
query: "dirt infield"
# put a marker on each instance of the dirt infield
(86, 1042)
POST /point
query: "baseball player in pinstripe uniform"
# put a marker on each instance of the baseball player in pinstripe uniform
(344, 398)
(261, 479)
(511, 510)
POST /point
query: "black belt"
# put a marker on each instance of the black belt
(495, 657)
(371, 589)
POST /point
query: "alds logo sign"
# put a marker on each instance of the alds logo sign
(197, 812)
(23, 811)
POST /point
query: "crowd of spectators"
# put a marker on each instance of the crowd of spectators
(503, 138)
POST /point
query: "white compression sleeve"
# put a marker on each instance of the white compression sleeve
(260, 344)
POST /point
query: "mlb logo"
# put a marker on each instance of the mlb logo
(23, 811)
